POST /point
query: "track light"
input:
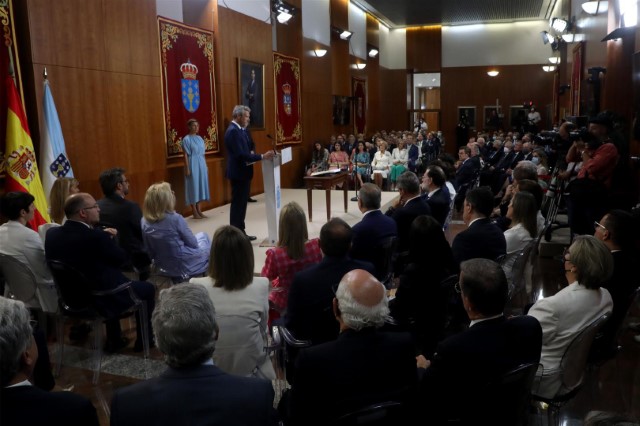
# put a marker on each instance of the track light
(343, 34)
(559, 24)
(284, 11)
(373, 53)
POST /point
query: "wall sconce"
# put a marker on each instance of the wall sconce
(359, 66)
(373, 52)
(548, 68)
(343, 34)
(284, 11)
(554, 60)
(593, 7)
(493, 73)
(320, 52)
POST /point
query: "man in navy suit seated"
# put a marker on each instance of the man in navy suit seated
(436, 193)
(22, 403)
(192, 391)
(363, 366)
(465, 363)
(373, 230)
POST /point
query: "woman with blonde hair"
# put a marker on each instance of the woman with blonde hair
(523, 212)
(170, 243)
(241, 303)
(293, 252)
(61, 189)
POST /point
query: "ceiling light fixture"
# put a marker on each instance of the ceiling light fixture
(593, 7)
(493, 73)
(373, 52)
(320, 52)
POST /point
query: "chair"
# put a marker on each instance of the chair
(571, 371)
(77, 300)
(285, 346)
(22, 284)
(378, 414)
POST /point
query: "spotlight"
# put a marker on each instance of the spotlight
(343, 34)
(373, 53)
(560, 25)
(284, 11)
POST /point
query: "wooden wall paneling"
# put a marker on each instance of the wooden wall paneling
(393, 100)
(339, 10)
(201, 13)
(373, 31)
(373, 95)
(424, 48)
(615, 95)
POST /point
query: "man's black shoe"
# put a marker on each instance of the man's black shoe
(116, 345)
(251, 200)
(251, 238)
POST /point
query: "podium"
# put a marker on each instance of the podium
(272, 192)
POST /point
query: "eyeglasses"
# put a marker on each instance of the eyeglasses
(596, 224)
(95, 206)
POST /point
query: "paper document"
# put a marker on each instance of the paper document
(326, 172)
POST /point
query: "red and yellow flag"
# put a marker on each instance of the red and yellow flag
(20, 162)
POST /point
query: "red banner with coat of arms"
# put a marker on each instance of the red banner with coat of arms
(286, 76)
(188, 89)
(359, 86)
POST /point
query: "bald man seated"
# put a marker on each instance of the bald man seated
(363, 366)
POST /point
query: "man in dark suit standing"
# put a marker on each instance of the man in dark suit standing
(373, 230)
(309, 315)
(21, 402)
(95, 254)
(408, 207)
(363, 366)
(240, 165)
(436, 193)
(465, 363)
(125, 216)
(192, 391)
(482, 238)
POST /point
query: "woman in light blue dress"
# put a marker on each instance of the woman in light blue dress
(361, 161)
(196, 179)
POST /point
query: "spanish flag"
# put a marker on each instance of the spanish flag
(20, 162)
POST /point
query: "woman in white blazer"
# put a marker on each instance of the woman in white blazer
(587, 264)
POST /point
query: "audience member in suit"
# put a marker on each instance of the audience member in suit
(413, 152)
(309, 314)
(482, 238)
(22, 403)
(24, 245)
(466, 173)
(408, 207)
(363, 366)
(125, 216)
(373, 230)
(587, 263)
(493, 345)
(420, 302)
(436, 193)
(239, 165)
(95, 254)
(192, 391)
(618, 230)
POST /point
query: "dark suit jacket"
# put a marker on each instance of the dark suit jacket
(494, 156)
(482, 239)
(466, 172)
(31, 406)
(309, 308)
(518, 157)
(414, 153)
(238, 146)
(357, 369)
(204, 395)
(125, 216)
(505, 161)
(439, 203)
(464, 363)
(369, 234)
(404, 217)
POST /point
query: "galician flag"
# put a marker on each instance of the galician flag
(53, 157)
(20, 162)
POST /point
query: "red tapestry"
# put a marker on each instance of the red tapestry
(286, 78)
(188, 89)
(359, 86)
(576, 78)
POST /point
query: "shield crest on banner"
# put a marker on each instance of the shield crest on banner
(190, 94)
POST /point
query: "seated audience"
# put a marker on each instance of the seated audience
(174, 249)
(361, 160)
(466, 173)
(399, 160)
(338, 159)
(236, 293)
(363, 366)
(319, 159)
(24, 245)
(192, 391)
(419, 299)
(94, 253)
(309, 314)
(294, 252)
(482, 238)
(523, 229)
(381, 163)
(407, 208)
(588, 264)
(493, 345)
(436, 193)
(371, 233)
(22, 402)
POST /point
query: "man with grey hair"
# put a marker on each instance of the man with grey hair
(23, 403)
(192, 390)
(373, 230)
(240, 161)
(408, 207)
(346, 374)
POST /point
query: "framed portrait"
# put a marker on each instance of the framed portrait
(518, 117)
(491, 119)
(251, 91)
(467, 115)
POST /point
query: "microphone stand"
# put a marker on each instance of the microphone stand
(355, 178)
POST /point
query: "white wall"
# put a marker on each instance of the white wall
(393, 48)
(358, 26)
(316, 21)
(171, 9)
(259, 9)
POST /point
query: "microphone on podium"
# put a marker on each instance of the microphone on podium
(273, 143)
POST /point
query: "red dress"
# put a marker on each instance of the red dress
(280, 268)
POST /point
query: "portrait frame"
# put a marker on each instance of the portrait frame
(253, 97)
(517, 112)
(470, 113)
(487, 119)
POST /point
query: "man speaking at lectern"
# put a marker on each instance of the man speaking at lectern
(240, 165)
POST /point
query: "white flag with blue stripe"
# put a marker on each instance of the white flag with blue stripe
(53, 156)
